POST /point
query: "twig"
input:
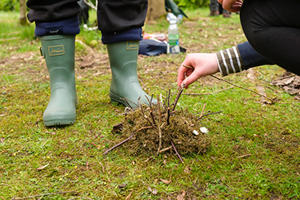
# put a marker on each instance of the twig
(168, 111)
(165, 149)
(90, 4)
(159, 124)
(203, 108)
(103, 169)
(126, 140)
(177, 97)
(178, 155)
(144, 115)
(119, 144)
(200, 94)
(42, 195)
(128, 105)
(220, 79)
(244, 156)
(151, 109)
(210, 113)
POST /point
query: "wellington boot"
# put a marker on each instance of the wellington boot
(58, 51)
(125, 87)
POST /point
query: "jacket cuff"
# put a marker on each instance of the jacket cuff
(229, 61)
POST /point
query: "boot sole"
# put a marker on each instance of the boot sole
(59, 121)
(118, 99)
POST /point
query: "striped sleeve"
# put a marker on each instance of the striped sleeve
(229, 61)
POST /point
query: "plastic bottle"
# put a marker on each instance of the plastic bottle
(173, 35)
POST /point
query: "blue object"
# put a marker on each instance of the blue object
(134, 34)
(250, 57)
(154, 48)
(68, 26)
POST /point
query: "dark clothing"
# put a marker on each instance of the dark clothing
(116, 16)
(215, 6)
(84, 12)
(251, 58)
(117, 20)
(52, 10)
(69, 26)
(272, 27)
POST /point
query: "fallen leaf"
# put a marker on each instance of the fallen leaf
(153, 191)
(165, 181)
(181, 196)
(122, 185)
(129, 196)
(187, 170)
(42, 167)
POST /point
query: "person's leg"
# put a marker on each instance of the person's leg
(56, 26)
(121, 25)
(226, 13)
(214, 8)
(272, 27)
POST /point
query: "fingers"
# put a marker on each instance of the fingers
(191, 79)
(227, 4)
(232, 5)
(182, 72)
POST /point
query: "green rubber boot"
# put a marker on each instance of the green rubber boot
(125, 87)
(58, 51)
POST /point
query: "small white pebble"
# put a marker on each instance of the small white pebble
(204, 130)
(195, 132)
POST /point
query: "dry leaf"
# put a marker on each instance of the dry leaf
(122, 185)
(129, 196)
(187, 170)
(153, 191)
(181, 196)
(42, 167)
(165, 181)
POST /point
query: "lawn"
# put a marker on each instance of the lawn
(254, 152)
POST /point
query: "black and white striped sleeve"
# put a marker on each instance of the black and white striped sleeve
(229, 61)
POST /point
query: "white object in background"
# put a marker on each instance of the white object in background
(195, 132)
(204, 130)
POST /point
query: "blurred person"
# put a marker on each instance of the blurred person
(217, 9)
(57, 24)
(273, 32)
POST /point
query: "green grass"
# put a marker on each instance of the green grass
(255, 147)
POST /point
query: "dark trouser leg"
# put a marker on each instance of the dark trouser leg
(214, 7)
(226, 13)
(52, 10)
(272, 27)
(54, 17)
(121, 20)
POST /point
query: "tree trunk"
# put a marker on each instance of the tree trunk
(23, 18)
(156, 9)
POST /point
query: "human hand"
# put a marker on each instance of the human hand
(231, 5)
(195, 66)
